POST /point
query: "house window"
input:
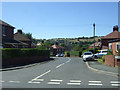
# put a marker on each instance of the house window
(117, 46)
(3, 31)
(110, 46)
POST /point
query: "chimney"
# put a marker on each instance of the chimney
(115, 28)
(19, 31)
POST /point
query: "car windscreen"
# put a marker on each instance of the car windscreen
(104, 51)
(87, 53)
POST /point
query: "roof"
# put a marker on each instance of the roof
(97, 44)
(12, 41)
(6, 24)
(57, 46)
(20, 37)
(114, 34)
(116, 40)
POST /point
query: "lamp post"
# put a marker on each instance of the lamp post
(94, 36)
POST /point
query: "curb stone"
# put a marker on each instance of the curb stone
(101, 71)
(25, 66)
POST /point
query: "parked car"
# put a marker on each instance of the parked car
(59, 55)
(101, 53)
(88, 56)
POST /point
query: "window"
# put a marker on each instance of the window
(3, 31)
(117, 46)
(110, 46)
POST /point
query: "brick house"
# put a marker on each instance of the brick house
(7, 36)
(20, 37)
(112, 36)
(57, 49)
(112, 60)
(98, 44)
(114, 45)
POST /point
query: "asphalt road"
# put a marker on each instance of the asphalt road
(59, 73)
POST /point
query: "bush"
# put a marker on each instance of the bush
(103, 58)
(109, 52)
(8, 53)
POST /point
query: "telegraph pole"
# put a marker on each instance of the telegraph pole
(94, 36)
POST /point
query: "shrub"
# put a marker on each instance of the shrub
(8, 53)
(109, 52)
(103, 58)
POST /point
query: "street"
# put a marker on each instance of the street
(59, 73)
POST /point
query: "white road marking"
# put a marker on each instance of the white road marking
(38, 80)
(2, 81)
(60, 65)
(68, 61)
(94, 81)
(115, 84)
(95, 84)
(33, 82)
(73, 83)
(54, 80)
(14, 81)
(54, 83)
(42, 74)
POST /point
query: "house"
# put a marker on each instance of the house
(7, 36)
(22, 38)
(112, 36)
(98, 44)
(114, 45)
(57, 49)
(113, 60)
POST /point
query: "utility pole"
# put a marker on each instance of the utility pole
(94, 36)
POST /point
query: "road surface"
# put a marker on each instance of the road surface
(62, 72)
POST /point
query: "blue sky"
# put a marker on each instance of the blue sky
(47, 20)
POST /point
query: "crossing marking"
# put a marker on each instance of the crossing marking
(73, 83)
(114, 81)
(54, 83)
(2, 81)
(115, 84)
(38, 80)
(14, 81)
(95, 84)
(54, 80)
(33, 82)
(94, 81)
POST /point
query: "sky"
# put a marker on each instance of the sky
(46, 20)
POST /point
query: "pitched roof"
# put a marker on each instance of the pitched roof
(114, 34)
(20, 37)
(57, 46)
(6, 24)
(12, 41)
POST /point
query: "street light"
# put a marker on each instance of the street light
(94, 36)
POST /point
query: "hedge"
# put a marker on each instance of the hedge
(8, 53)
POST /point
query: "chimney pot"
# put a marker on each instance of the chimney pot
(20, 31)
(115, 28)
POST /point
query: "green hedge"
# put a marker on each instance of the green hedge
(8, 53)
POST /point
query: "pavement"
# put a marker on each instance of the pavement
(102, 68)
